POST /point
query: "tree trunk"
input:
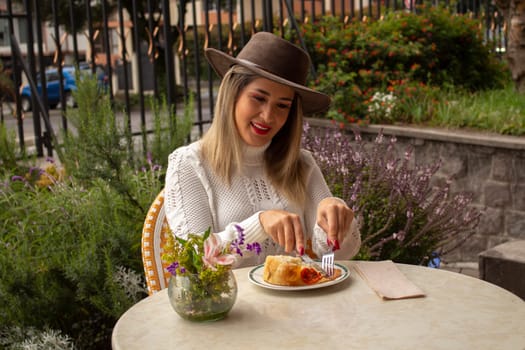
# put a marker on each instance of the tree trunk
(514, 14)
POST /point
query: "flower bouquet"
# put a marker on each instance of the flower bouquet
(202, 286)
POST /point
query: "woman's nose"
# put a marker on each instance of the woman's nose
(267, 113)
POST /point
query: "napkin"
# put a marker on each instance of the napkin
(386, 280)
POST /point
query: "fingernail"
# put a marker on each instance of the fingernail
(301, 251)
(328, 242)
(336, 245)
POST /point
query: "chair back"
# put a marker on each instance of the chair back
(154, 234)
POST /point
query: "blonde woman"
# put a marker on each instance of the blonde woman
(249, 170)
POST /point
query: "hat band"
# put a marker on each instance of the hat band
(254, 65)
(278, 75)
(250, 63)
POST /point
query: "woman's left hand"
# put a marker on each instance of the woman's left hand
(334, 217)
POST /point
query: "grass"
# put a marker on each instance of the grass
(499, 111)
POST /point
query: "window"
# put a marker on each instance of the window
(4, 32)
(51, 77)
(22, 30)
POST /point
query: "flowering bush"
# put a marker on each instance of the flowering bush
(42, 178)
(429, 49)
(402, 216)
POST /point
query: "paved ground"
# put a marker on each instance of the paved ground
(467, 268)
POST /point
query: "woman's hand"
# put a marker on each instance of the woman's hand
(284, 228)
(334, 217)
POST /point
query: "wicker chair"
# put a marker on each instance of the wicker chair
(154, 235)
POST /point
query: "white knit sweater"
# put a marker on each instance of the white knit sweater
(196, 199)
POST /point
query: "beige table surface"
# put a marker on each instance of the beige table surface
(458, 312)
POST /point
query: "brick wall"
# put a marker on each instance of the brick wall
(492, 167)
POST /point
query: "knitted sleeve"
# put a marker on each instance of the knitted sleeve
(188, 202)
(317, 191)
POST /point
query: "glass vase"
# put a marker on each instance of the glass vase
(196, 300)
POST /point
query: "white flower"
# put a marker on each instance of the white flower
(382, 103)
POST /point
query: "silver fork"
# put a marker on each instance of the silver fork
(327, 262)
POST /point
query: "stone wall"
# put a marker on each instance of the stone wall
(491, 167)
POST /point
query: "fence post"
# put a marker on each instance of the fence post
(168, 53)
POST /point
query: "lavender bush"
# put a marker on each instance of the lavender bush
(402, 215)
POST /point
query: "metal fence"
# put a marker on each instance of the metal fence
(126, 44)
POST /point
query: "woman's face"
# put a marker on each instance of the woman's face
(261, 110)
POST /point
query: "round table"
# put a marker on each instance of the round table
(458, 312)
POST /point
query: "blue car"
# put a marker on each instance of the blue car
(53, 88)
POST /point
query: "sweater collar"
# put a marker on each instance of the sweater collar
(254, 155)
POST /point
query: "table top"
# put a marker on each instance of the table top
(458, 312)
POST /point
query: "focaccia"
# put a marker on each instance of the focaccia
(285, 270)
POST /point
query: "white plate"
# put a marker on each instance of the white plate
(256, 277)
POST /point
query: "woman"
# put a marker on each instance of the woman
(249, 170)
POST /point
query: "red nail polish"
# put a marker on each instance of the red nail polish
(301, 251)
(336, 245)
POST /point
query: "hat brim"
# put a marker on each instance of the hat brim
(312, 101)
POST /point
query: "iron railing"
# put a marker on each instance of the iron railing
(176, 49)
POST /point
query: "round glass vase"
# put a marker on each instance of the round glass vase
(197, 301)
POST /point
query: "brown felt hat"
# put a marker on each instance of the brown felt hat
(276, 59)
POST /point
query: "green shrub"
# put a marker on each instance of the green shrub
(407, 55)
(8, 158)
(60, 251)
(70, 255)
(452, 48)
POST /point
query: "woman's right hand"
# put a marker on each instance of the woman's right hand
(284, 228)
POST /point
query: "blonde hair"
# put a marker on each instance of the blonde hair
(222, 144)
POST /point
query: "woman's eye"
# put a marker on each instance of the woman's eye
(284, 106)
(259, 98)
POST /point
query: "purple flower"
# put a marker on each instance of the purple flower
(254, 247)
(402, 213)
(237, 244)
(400, 236)
(172, 268)
(240, 230)
(39, 170)
(17, 178)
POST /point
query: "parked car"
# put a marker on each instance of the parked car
(53, 87)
